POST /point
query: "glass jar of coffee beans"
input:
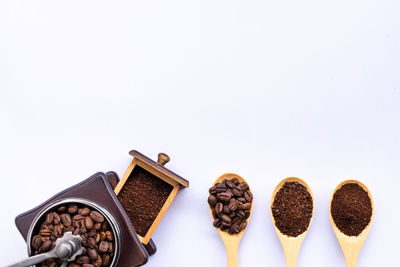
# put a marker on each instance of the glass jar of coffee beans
(98, 237)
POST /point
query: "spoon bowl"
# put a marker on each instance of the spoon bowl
(351, 245)
(232, 241)
(291, 245)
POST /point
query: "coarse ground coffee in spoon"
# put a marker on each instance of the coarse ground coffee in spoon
(351, 209)
(292, 209)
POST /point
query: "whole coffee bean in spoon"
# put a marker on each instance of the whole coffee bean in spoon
(230, 202)
(219, 207)
(212, 200)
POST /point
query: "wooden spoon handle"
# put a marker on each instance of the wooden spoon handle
(351, 261)
(291, 249)
(291, 261)
(232, 255)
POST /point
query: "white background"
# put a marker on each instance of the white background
(266, 89)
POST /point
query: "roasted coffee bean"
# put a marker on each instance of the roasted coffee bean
(83, 226)
(242, 199)
(103, 236)
(72, 209)
(66, 219)
(57, 230)
(82, 260)
(219, 208)
(92, 242)
(214, 213)
(233, 205)
(243, 225)
(110, 247)
(56, 219)
(92, 253)
(217, 222)
(97, 238)
(224, 197)
(226, 224)
(235, 219)
(109, 235)
(89, 223)
(61, 209)
(85, 243)
(237, 193)
(97, 226)
(77, 231)
(45, 232)
(226, 209)
(46, 245)
(104, 226)
(243, 186)
(245, 206)
(103, 247)
(49, 218)
(232, 214)
(99, 261)
(230, 184)
(73, 265)
(213, 190)
(36, 242)
(240, 213)
(44, 226)
(234, 229)
(235, 181)
(229, 192)
(106, 259)
(223, 227)
(51, 263)
(246, 214)
(212, 200)
(225, 218)
(222, 186)
(96, 216)
(85, 211)
(78, 217)
(87, 265)
(76, 223)
(92, 233)
(248, 196)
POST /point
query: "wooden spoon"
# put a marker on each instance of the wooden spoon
(291, 245)
(351, 245)
(231, 241)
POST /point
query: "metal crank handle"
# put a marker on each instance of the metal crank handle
(35, 259)
(66, 249)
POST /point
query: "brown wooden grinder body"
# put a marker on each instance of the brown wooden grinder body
(98, 189)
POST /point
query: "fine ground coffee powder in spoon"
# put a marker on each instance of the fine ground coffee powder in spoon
(351, 209)
(142, 197)
(292, 209)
